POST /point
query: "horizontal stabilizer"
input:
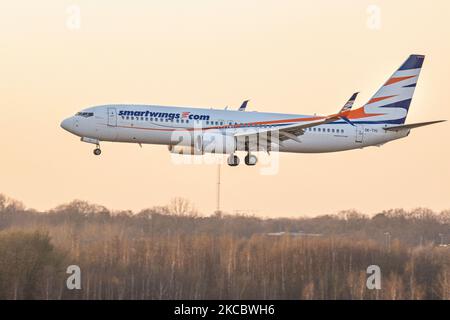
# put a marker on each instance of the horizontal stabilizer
(412, 126)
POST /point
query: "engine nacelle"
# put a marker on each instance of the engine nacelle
(215, 143)
(183, 150)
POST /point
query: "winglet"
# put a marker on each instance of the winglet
(243, 105)
(349, 103)
(347, 107)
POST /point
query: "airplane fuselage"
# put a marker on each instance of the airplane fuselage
(150, 124)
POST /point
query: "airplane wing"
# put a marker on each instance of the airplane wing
(243, 105)
(289, 131)
(295, 130)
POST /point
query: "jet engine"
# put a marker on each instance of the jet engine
(184, 150)
(215, 143)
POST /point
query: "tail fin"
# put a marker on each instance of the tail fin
(391, 102)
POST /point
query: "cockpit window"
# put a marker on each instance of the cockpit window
(85, 114)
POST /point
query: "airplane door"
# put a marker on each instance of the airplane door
(359, 134)
(112, 117)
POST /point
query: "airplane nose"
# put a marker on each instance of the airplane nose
(67, 124)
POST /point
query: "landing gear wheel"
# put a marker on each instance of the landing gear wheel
(233, 160)
(250, 160)
(97, 151)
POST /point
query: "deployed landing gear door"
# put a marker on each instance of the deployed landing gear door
(112, 117)
(359, 134)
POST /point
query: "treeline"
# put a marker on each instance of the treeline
(172, 252)
(417, 227)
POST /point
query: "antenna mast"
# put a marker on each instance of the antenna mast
(218, 189)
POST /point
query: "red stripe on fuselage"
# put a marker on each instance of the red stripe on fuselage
(351, 114)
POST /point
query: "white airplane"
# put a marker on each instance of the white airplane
(200, 130)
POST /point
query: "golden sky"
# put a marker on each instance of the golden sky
(286, 56)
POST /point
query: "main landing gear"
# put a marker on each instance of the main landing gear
(233, 160)
(250, 160)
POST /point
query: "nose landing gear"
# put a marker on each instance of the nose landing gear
(97, 151)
